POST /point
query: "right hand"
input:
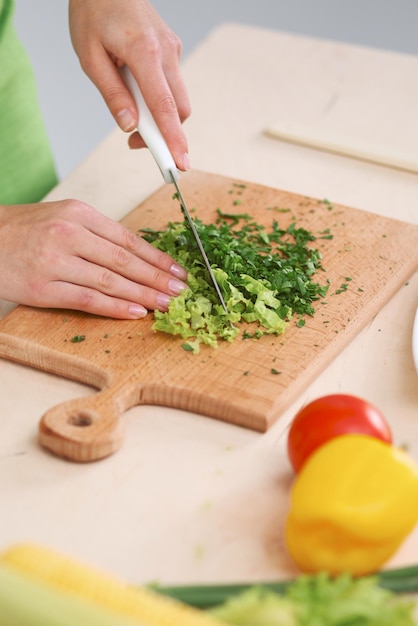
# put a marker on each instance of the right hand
(108, 34)
(68, 255)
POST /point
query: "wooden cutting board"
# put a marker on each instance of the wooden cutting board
(249, 382)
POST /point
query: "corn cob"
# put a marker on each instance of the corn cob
(67, 576)
(26, 602)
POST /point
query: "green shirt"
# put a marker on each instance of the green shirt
(27, 170)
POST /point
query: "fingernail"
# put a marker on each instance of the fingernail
(178, 271)
(163, 301)
(126, 120)
(186, 162)
(137, 311)
(176, 286)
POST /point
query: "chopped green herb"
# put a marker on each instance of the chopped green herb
(256, 335)
(343, 287)
(77, 338)
(266, 277)
(187, 347)
(278, 209)
(274, 371)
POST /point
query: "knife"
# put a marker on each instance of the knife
(156, 144)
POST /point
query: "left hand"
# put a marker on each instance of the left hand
(107, 34)
(67, 255)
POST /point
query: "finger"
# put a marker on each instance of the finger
(79, 272)
(135, 141)
(174, 77)
(79, 298)
(109, 241)
(160, 98)
(158, 95)
(163, 107)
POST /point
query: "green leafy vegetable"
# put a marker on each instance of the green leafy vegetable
(318, 601)
(265, 278)
(258, 607)
(399, 580)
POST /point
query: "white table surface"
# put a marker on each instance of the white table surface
(189, 499)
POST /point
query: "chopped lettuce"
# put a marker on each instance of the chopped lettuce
(319, 601)
(257, 607)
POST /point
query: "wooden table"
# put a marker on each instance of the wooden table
(190, 499)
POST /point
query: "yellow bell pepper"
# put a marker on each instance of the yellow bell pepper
(352, 505)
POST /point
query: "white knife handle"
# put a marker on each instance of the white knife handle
(149, 130)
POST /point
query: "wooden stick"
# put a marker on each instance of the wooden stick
(345, 146)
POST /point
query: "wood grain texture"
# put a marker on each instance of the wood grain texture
(131, 365)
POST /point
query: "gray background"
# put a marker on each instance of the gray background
(77, 118)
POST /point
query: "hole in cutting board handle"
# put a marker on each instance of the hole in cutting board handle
(84, 429)
(81, 420)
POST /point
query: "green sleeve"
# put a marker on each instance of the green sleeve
(27, 169)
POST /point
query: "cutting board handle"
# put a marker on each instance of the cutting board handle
(85, 429)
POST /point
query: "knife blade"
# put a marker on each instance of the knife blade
(156, 144)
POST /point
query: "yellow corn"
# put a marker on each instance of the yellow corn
(67, 575)
(26, 602)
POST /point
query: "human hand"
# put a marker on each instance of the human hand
(68, 255)
(108, 34)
